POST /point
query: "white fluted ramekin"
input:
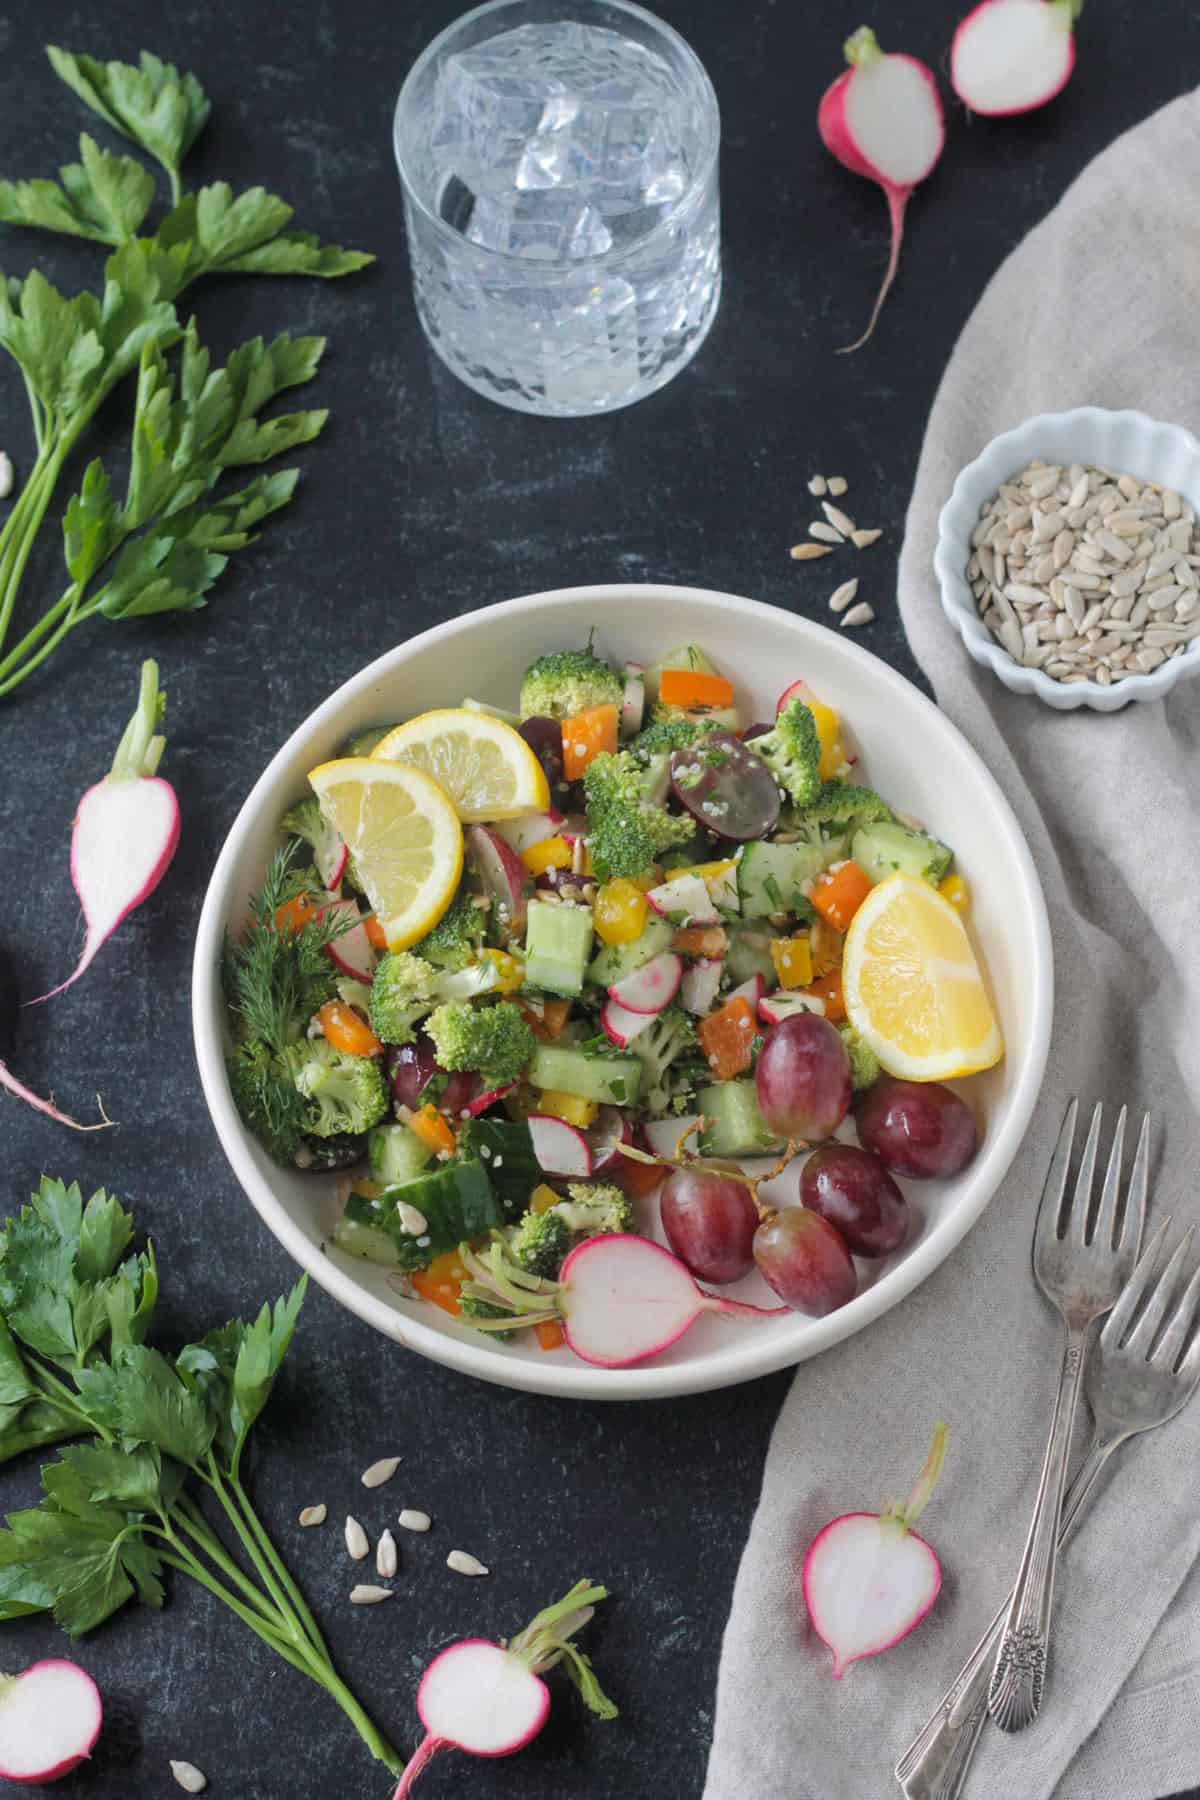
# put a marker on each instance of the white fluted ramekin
(1128, 443)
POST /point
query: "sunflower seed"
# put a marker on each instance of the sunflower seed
(386, 1467)
(314, 1515)
(189, 1777)
(413, 1520)
(837, 485)
(863, 539)
(862, 614)
(827, 533)
(386, 1558)
(838, 519)
(357, 1542)
(367, 1595)
(7, 475)
(806, 552)
(816, 486)
(463, 1563)
(841, 597)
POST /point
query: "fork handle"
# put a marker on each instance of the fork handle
(934, 1767)
(1015, 1693)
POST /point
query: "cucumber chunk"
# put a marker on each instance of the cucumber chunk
(455, 1200)
(370, 1242)
(735, 1125)
(395, 1154)
(886, 849)
(749, 953)
(558, 943)
(616, 961)
(771, 877)
(612, 1080)
(505, 1149)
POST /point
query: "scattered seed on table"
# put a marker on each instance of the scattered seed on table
(463, 1563)
(806, 552)
(386, 1558)
(412, 1519)
(386, 1467)
(367, 1595)
(862, 614)
(838, 519)
(837, 485)
(828, 534)
(189, 1777)
(862, 539)
(7, 475)
(841, 597)
(357, 1542)
(816, 486)
(314, 1515)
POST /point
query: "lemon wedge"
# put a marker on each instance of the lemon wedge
(486, 767)
(404, 836)
(912, 985)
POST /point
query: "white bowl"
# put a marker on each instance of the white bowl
(1128, 443)
(907, 748)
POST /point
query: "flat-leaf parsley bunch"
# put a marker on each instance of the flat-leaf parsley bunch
(160, 548)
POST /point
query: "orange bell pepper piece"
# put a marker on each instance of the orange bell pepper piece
(434, 1131)
(585, 735)
(346, 1031)
(726, 1037)
(700, 940)
(549, 1335)
(838, 894)
(441, 1281)
(829, 989)
(688, 688)
(295, 914)
(374, 931)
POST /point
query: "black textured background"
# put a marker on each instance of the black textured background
(421, 502)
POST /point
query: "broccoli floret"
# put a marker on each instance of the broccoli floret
(675, 731)
(305, 822)
(540, 1241)
(595, 1207)
(455, 939)
(840, 801)
(567, 682)
(792, 752)
(267, 1101)
(364, 742)
(344, 1093)
(403, 989)
(627, 829)
(670, 1035)
(494, 1041)
(865, 1067)
(340, 1152)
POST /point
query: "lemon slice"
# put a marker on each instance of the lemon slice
(913, 987)
(404, 836)
(485, 766)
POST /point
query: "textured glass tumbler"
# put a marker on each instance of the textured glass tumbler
(559, 166)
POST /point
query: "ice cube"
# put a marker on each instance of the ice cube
(547, 225)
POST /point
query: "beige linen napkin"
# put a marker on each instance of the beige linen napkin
(1100, 305)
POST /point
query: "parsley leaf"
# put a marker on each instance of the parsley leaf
(154, 1406)
(160, 109)
(102, 197)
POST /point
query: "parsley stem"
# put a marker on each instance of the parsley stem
(59, 1394)
(181, 1558)
(212, 1475)
(299, 1604)
(190, 1519)
(12, 670)
(30, 511)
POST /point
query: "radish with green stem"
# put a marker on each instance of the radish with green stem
(126, 829)
(490, 1700)
(50, 1717)
(883, 119)
(1010, 56)
(868, 1578)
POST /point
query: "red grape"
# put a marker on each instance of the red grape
(412, 1066)
(805, 1260)
(710, 1220)
(544, 737)
(729, 790)
(852, 1190)
(918, 1128)
(803, 1078)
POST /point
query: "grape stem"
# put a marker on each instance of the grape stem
(683, 1158)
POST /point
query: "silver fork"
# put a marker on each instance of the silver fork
(1081, 1267)
(1134, 1384)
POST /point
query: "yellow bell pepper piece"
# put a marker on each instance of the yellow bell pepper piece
(619, 913)
(550, 853)
(543, 1198)
(510, 970)
(571, 1107)
(955, 890)
(793, 961)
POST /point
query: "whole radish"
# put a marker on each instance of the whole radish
(50, 1717)
(883, 119)
(868, 1578)
(126, 829)
(1010, 56)
(490, 1700)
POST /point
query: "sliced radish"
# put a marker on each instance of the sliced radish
(561, 1149)
(531, 828)
(625, 1298)
(1009, 56)
(353, 953)
(795, 690)
(883, 119)
(50, 1717)
(652, 987)
(633, 705)
(686, 898)
(773, 1009)
(481, 1102)
(723, 889)
(502, 873)
(751, 991)
(620, 1026)
(481, 977)
(609, 1128)
(700, 985)
(331, 857)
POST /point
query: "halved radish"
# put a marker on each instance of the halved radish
(1009, 56)
(353, 953)
(561, 1149)
(795, 690)
(531, 828)
(50, 1717)
(633, 705)
(773, 1009)
(686, 898)
(620, 1026)
(502, 873)
(609, 1128)
(751, 991)
(652, 987)
(481, 1102)
(700, 985)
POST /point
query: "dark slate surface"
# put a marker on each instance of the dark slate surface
(423, 502)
